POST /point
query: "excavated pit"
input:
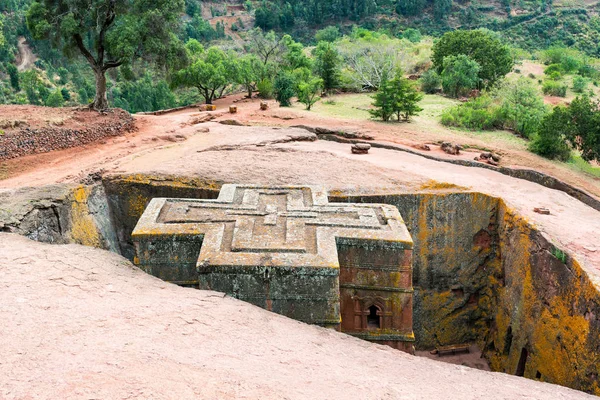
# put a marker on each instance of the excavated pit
(482, 274)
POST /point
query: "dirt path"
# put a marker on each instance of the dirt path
(26, 58)
(82, 323)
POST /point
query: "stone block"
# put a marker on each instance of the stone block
(290, 251)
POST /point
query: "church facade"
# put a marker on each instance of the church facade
(290, 251)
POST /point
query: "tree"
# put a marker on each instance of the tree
(267, 46)
(248, 72)
(459, 75)
(585, 135)
(308, 91)
(327, 65)
(108, 33)
(284, 88)
(397, 96)
(368, 59)
(431, 81)
(522, 107)
(328, 34)
(551, 140)
(383, 102)
(55, 99)
(410, 7)
(441, 9)
(405, 98)
(13, 73)
(480, 45)
(2, 39)
(211, 71)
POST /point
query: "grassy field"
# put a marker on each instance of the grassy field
(579, 164)
(356, 106)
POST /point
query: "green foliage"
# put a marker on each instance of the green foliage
(145, 94)
(265, 88)
(13, 73)
(551, 139)
(410, 7)
(83, 96)
(63, 74)
(554, 69)
(412, 35)
(109, 33)
(560, 255)
(309, 90)
(580, 84)
(55, 99)
(521, 107)
(441, 9)
(200, 29)
(211, 71)
(283, 88)
(517, 106)
(585, 135)
(478, 114)
(483, 47)
(431, 82)
(460, 75)
(248, 70)
(554, 88)
(327, 65)
(328, 34)
(65, 94)
(383, 102)
(398, 97)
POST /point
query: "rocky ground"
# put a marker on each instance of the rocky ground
(81, 323)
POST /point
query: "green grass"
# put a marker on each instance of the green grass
(348, 106)
(579, 164)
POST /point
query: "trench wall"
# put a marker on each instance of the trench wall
(482, 274)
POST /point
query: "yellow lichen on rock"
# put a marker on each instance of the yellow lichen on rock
(84, 230)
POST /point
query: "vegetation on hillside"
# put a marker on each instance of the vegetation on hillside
(122, 53)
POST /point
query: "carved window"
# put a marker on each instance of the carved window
(373, 317)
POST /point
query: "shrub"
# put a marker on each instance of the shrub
(551, 139)
(284, 88)
(55, 99)
(521, 107)
(477, 114)
(460, 75)
(265, 89)
(431, 82)
(554, 88)
(579, 84)
(328, 34)
(553, 68)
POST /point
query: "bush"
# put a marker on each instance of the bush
(579, 84)
(328, 34)
(477, 114)
(431, 82)
(284, 88)
(551, 139)
(553, 88)
(265, 89)
(521, 107)
(460, 75)
(553, 68)
(55, 99)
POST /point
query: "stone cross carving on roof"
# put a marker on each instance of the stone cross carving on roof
(277, 247)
